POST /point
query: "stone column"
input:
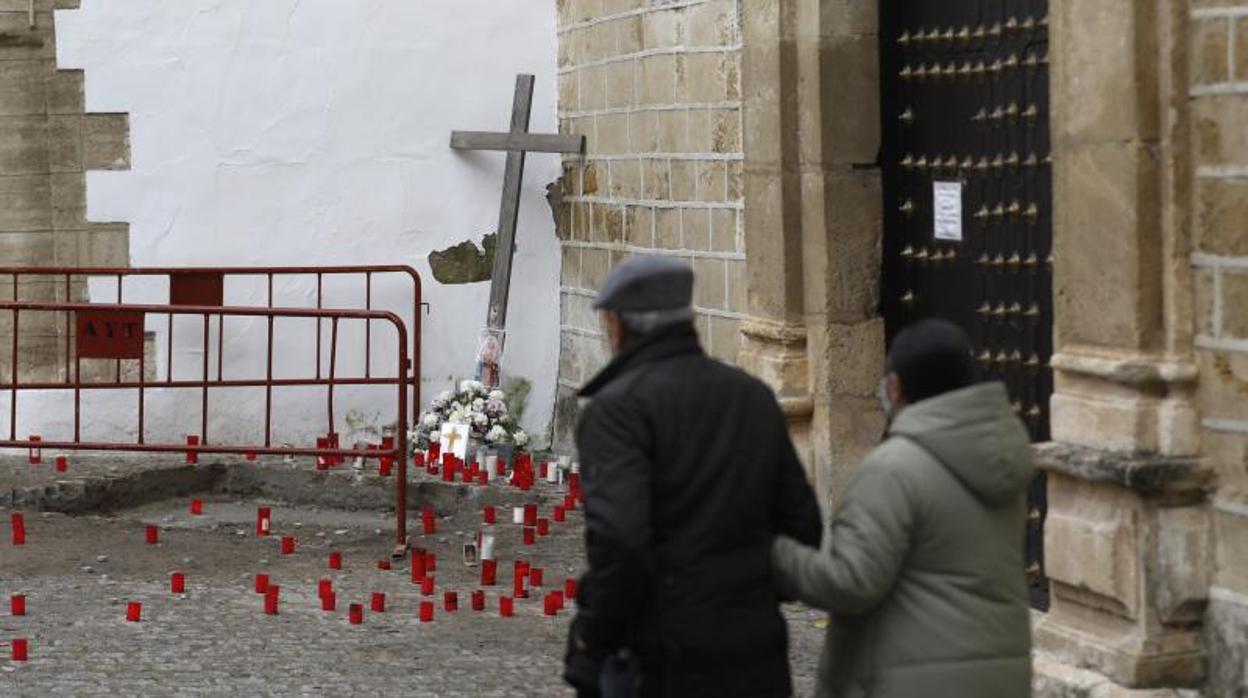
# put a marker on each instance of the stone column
(1126, 539)
(774, 333)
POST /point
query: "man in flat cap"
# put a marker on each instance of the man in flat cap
(688, 472)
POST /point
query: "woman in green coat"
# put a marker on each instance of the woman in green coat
(922, 570)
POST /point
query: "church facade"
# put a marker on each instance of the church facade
(781, 148)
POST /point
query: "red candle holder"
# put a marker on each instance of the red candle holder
(450, 601)
(329, 601)
(383, 564)
(262, 583)
(506, 607)
(543, 526)
(335, 561)
(426, 611)
(62, 464)
(569, 588)
(322, 462)
(430, 523)
(153, 534)
(197, 507)
(500, 468)
(355, 614)
(518, 590)
(489, 573)
(530, 535)
(251, 455)
(20, 649)
(264, 521)
(36, 450)
(192, 456)
(543, 469)
(387, 463)
(418, 566)
(483, 479)
(561, 514)
(288, 545)
(324, 587)
(134, 612)
(18, 525)
(270, 599)
(490, 515)
(535, 576)
(378, 602)
(17, 604)
(548, 605)
(478, 600)
(177, 583)
(558, 597)
(426, 586)
(530, 514)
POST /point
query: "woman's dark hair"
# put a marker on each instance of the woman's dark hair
(932, 357)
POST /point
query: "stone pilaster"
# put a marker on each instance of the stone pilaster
(1127, 537)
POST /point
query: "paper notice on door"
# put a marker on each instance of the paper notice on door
(947, 210)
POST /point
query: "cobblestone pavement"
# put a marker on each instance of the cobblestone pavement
(79, 573)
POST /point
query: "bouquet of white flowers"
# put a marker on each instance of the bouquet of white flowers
(485, 411)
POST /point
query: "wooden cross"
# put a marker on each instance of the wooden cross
(517, 142)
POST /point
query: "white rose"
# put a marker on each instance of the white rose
(496, 435)
(430, 420)
(478, 404)
(520, 437)
(497, 395)
(480, 419)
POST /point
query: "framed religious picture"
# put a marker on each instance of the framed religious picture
(455, 439)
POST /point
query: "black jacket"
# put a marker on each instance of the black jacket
(688, 473)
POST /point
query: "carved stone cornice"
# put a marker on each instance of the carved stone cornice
(1147, 474)
(774, 331)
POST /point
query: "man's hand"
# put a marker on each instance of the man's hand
(582, 668)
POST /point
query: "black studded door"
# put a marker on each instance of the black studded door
(967, 189)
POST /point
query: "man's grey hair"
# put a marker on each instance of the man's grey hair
(643, 322)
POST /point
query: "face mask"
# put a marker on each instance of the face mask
(881, 392)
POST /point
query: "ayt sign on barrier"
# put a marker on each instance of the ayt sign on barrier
(110, 334)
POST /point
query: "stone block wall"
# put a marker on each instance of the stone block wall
(1219, 102)
(47, 143)
(656, 87)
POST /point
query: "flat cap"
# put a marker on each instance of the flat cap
(646, 282)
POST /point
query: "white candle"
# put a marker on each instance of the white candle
(552, 472)
(517, 515)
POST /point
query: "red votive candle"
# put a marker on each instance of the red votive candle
(569, 588)
(483, 479)
(17, 604)
(62, 464)
(288, 545)
(535, 576)
(355, 613)
(262, 583)
(548, 605)
(383, 564)
(518, 589)
(153, 535)
(197, 507)
(329, 601)
(36, 450)
(134, 611)
(530, 535)
(430, 523)
(506, 607)
(379, 602)
(530, 514)
(177, 583)
(192, 456)
(335, 561)
(489, 573)
(489, 515)
(543, 469)
(270, 599)
(558, 597)
(478, 600)
(264, 521)
(418, 565)
(500, 468)
(543, 526)
(450, 601)
(18, 524)
(322, 462)
(426, 611)
(20, 647)
(561, 514)
(426, 586)
(251, 455)
(386, 464)
(324, 587)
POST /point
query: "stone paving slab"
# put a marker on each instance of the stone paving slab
(79, 571)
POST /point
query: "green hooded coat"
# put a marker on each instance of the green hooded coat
(922, 570)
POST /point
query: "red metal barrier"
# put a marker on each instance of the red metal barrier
(205, 286)
(116, 332)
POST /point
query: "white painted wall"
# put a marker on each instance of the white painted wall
(315, 132)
